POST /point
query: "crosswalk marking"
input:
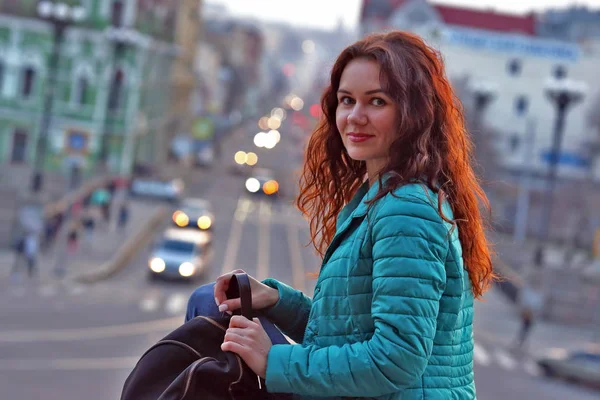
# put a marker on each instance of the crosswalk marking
(149, 304)
(176, 303)
(505, 360)
(480, 355)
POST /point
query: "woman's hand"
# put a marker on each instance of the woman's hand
(263, 296)
(249, 340)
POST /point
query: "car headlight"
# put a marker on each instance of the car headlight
(157, 265)
(270, 187)
(204, 222)
(252, 185)
(181, 219)
(187, 269)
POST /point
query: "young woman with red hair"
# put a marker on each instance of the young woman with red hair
(393, 203)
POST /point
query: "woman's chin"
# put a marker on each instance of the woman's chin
(358, 155)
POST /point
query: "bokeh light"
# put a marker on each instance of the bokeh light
(240, 157)
(308, 46)
(251, 158)
(297, 104)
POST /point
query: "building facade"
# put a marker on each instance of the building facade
(505, 52)
(110, 96)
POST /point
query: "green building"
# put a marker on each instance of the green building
(112, 84)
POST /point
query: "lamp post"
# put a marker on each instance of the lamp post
(564, 94)
(120, 38)
(61, 16)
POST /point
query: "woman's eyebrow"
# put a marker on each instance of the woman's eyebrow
(373, 91)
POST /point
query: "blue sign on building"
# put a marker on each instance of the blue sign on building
(566, 158)
(507, 43)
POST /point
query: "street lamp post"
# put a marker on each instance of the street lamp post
(564, 94)
(61, 16)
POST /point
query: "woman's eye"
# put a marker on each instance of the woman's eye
(346, 100)
(378, 102)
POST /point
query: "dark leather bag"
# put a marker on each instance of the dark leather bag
(189, 363)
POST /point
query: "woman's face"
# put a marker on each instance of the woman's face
(366, 116)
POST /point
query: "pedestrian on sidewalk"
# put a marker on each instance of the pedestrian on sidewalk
(394, 209)
(28, 248)
(123, 216)
(531, 303)
(89, 224)
(73, 238)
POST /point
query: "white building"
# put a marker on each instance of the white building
(503, 50)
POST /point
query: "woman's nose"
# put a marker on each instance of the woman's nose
(357, 116)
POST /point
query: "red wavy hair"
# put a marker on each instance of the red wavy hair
(432, 143)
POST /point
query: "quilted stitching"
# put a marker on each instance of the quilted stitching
(392, 310)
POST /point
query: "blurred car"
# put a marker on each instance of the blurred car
(574, 366)
(178, 255)
(195, 214)
(262, 181)
(169, 189)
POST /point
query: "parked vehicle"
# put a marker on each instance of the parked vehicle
(574, 366)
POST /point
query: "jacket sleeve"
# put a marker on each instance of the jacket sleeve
(409, 250)
(291, 312)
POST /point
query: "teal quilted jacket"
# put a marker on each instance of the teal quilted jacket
(392, 311)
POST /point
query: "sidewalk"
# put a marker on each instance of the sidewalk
(106, 242)
(497, 321)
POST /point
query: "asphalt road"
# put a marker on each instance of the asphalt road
(81, 344)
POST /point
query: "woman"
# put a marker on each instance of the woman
(393, 203)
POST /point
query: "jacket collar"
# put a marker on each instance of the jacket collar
(358, 206)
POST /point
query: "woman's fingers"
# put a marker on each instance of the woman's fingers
(235, 348)
(222, 284)
(230, 305)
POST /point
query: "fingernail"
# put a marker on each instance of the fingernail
(223, 307)
(217, 301)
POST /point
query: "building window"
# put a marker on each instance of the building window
(82, 91)
(515, 142)
(521, 104)
(560, 72)
(28, 82)
(116, 89)
(116, 13)
(19, 146)
(514, 67)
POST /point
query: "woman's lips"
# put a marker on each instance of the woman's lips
(359, 137)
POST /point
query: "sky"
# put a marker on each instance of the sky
(326, 14)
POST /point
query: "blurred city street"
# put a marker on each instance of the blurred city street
(88, 339)
(129, 128)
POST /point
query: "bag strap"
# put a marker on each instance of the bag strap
(239, 286)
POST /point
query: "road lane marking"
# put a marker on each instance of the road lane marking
(149, 304)
(176, 304)
(505, 361)
(264, 240)
(92, 333)
(298, 275)
(481, 356)
(69, 364)
(235, 235)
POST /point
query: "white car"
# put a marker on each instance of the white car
(178, 255)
